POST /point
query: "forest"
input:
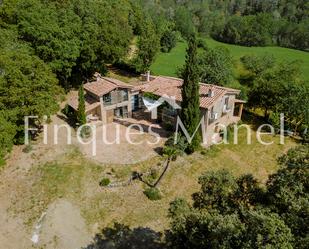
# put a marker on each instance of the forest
(244, 22)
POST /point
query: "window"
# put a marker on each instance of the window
(226, 108)
(107, 99)
(226, 102)
(124, 95)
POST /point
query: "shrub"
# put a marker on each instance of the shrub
(154, 173)
(85, 132)
(202, 44)
(104, 182)
(173, 150)
(168, 41)
(153, 194)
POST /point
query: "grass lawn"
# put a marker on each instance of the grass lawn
(76, 179)
(167, 63)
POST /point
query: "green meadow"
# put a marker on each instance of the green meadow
(168, 63)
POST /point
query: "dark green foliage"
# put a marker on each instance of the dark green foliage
(27, 88)
(288, 192)
(104, 182)
(168, 41)
(278, 88)
(251, 30)
(43, 42)
(178, 208)
(148, 46)
(7, 134)
(295, 157)
(184, 22)
(103, 37)
(248, 193)
(247, 22)
(153, 194)
(216, 191)
(265, 230)
(257, 64)
(201, 43)
(76, 37)
(293, 34)
(206, 230)
(190, 112)
(81, 111)
(175, 146)
(231, 212)
(216, 66)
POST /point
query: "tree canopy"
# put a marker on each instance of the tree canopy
(230, 212)
(190, 105)
(245, 22)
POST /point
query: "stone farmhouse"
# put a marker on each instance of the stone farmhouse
(108, 99)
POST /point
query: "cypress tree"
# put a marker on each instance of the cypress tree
(190, 113)
(81, 111)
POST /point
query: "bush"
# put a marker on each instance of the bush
(168, 41)
(173, 150)
(202, 44)
(153, 194)
(85, 132)
(154, 173)
(104, 182)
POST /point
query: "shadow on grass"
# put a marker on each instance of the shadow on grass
(253, 119)
(123, 237)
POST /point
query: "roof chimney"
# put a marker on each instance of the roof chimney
(211, 93)
(97, 75)
(148, 76)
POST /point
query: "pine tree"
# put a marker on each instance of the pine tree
(81, 111)
(190, 113)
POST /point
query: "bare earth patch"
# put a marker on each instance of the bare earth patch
(63, 227)
(132, 146)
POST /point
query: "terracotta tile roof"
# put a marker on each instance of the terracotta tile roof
(104, 85)
(90, 102)
(171, 87)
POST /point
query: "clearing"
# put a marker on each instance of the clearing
(168, 63)
(64, 183)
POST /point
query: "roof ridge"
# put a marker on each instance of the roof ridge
(201, 83)
(170, 77)
(109, 80)
(120, 84)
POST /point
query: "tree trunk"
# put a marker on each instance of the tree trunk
(160, 177)
(163, 173)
